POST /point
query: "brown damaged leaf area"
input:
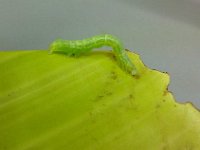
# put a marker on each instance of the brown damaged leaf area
(88, 103)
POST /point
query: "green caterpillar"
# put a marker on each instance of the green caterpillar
(77, 47)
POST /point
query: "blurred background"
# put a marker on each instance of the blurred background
(166, 33)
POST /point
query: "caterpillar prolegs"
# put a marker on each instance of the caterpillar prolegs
(77, 47)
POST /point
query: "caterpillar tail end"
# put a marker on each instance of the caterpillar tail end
(51, 48)
(50, 51)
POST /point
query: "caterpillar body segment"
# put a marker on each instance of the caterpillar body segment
(77, 47)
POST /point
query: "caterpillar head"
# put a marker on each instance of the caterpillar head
(126, 64)
(130, 68)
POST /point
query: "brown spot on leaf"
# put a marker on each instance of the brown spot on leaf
(114, 75)
(165, 93)
(108, 93)
(100, 96)
(158, 106)
(136, 76)
(131, 96)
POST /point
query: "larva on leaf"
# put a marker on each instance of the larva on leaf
(77, 47)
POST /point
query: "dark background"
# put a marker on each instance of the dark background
(166, 33)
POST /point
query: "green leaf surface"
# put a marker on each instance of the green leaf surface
(51, 102)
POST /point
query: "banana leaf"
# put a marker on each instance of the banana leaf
(51, 102)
